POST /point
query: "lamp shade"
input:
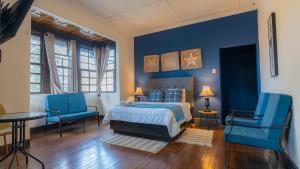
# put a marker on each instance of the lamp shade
(139, 91)
(206, 91)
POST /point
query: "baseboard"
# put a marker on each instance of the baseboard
(3, 151)
(289, 163)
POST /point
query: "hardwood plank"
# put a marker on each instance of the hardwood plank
(78, 150)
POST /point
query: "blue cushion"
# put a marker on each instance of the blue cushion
(156, 96)
(173, 95)
(77, 103)
(262, 104)
(71, 117)
(58, 102)
(250, 136)
(276, 113)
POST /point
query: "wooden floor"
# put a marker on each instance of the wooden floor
(78, 150)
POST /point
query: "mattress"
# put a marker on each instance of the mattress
(157, 116)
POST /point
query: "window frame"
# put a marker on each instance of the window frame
(38, 64)
(70, 78)
(114, 70)
(89, 48)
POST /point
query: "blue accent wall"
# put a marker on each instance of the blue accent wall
(231, 31)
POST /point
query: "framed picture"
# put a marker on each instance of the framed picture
(191, 59)
(151, 63)
(273, 45)
(170, 61)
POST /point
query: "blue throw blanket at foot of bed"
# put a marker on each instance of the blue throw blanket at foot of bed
(176, 109)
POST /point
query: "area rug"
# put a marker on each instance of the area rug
(197, 136)
(137, 143)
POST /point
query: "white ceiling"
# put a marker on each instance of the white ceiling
(144, 16)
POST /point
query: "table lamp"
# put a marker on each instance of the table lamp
(206, 92)
(138, 93)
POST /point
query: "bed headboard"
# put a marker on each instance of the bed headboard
(181, 82)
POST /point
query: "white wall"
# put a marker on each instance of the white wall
(15, 66)
(125, 64)
(288, 81)
(14, 72)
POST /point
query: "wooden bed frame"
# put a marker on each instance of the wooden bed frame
(151, 131)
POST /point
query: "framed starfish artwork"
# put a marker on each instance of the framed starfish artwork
(151, 63)
(170, 61)
(191, 59)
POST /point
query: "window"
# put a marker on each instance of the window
(88, 81)
(35, 65)
(108, 84)
(64, 64)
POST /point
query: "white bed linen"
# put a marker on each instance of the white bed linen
(158, 116)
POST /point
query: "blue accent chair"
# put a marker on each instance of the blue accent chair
(247, 117)
(269, 133)
(63, 108)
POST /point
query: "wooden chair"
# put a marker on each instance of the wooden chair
(5, 129)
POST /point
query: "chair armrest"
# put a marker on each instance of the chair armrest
(96, 108)
(246, 113)
(54, 112)
(259, 127)
(246, 118)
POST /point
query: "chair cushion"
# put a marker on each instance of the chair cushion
(77, 103)
(58, 102)
(173, 95)
(250, 136)
(156, 96)
(262, 104)
(241, 121)
(71, 117)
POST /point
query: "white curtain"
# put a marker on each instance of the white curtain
(102, 55)
(73, 54)
(54, 79)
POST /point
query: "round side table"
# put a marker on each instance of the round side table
(207, 114)
(18, 133)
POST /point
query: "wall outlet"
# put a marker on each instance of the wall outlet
(214, 71)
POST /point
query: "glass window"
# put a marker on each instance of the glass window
(35, 64)
(88, 75)
(108, 84)
(64, 64)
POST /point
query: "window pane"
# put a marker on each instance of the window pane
(35, 40)
(110, 74)
(110, 81)
(85, 88)
(110, 88)
(84, 66)
(84, 80)
(35, 88)
(93, 74)
(61, 47)
(35, 78)
(110, 66)
(35, 58)
(59, 61)
(84, 74)
(84, 52)
(93, 88)
(66, 63)
(93, 81)
(60, 71)
(35, 49)
(84, 59)
(103, 88)
(35, 69)
(92, 67)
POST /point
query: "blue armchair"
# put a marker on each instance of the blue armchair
(269, 133)
(62, 108)
(245, 117)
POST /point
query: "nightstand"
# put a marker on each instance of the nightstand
(206, 114)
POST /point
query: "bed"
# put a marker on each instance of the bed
(157, 120)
